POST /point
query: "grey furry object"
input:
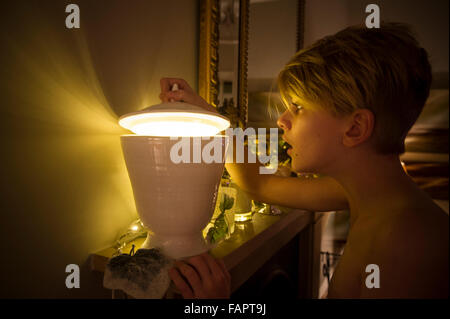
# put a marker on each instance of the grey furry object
(143, 275)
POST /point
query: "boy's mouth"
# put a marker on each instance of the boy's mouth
(287, 146)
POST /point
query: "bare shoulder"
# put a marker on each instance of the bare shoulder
(412, 253)
(421, 225)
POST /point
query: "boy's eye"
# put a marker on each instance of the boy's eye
(297, 107)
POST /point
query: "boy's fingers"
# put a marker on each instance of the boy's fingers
(181, 284)
(165, 86)
(163, 97)
(218, 262)
(167, 83)
(201, 266)
(226, 273)
(216, 269)
(192, 276)
(179, 95)
(169, 96)
(224, 268)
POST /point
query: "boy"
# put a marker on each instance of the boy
(351, 99)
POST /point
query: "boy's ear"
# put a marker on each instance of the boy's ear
(359, 128)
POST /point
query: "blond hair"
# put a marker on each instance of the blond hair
(384, 70)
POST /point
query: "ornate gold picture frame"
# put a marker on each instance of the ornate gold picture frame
(208, 51)
(208, 82)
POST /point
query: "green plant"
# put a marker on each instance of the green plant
(220, 227)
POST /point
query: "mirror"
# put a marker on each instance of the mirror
(275, 35)
(228, 70)
(242, 39)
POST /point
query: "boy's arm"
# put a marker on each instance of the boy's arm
(315, 194)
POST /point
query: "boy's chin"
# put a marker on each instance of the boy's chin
(302, 169)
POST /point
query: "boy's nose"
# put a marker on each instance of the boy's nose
(283, 121)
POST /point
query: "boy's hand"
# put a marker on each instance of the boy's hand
(184, 94)
(201, 277)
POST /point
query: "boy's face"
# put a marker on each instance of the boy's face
(315, 137)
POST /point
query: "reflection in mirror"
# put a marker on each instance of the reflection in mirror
(228, 69)
(273, 32)
(228, 49)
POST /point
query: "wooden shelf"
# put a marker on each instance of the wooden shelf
(248, 248)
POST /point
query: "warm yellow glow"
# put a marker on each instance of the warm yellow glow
(134, 228)
(404, 166)
(243, 217)
(54, 110)
(174, 124)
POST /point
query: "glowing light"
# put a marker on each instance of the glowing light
(243, 217)
(404, 166)
(174, 119)
(174, 124)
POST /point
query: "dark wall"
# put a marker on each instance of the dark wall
(429, 19)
